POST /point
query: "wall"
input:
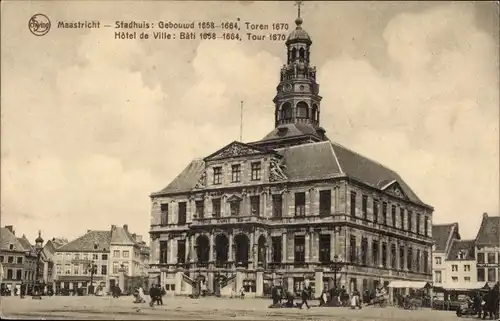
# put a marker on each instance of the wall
(461, 273)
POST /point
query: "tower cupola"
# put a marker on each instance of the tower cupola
(297, 99)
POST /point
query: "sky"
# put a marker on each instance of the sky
(91, 125)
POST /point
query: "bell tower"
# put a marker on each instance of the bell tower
(297, 100)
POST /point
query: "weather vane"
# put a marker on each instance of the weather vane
(298, 4)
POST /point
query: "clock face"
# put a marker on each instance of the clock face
(287, 87)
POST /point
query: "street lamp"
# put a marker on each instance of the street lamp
(38, 248)
(92, 268)
(336, 265)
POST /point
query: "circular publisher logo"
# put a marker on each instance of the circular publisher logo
(39, 24)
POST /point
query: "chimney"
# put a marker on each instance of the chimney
(53, 239)
(485, 215)
(125, 227)
(10, 228)
(113, 227)
(138, 238)
(88, 231)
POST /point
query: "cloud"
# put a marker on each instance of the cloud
(434, 120)
(109, 122)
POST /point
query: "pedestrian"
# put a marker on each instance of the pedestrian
(23, 289)
(304, 296)
(159, 295)
(242, 293)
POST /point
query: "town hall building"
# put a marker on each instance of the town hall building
(293, 205)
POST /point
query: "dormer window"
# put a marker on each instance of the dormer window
(11, 246)
(96, 246)
(235, 173)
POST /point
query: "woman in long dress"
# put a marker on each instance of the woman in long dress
(141, 294)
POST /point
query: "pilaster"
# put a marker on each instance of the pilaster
(307, 246)
(283, 248)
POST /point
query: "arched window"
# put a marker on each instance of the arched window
(286, 111)
(302, 54)
(302, 110)
(294, 53)
(315, 112)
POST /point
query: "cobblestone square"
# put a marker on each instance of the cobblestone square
(180, 308)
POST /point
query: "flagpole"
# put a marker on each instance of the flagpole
(241, 121)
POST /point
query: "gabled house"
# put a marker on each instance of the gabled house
(443, 235)
(487, 250)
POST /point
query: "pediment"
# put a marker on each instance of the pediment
(395, 189)
(235, 149)
(234, 198)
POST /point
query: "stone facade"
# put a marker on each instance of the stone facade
(290, 207)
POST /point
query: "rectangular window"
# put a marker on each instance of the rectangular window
(163, 252)
(19, 274)
(393, 257)
(235, 208)
(480, 275)
(410, 259)
(401, 257)
(76, 269)
(466, 279)
(426, 262)
(418, 224)
(384, 213)
(104, 269)
(364, 207)
(10, 274)
(256, 171)
(364, 251)
(126, 254)
(352, 249)
(393, 215)
(216, 207)
(181, 251)
(235, 173)
(116, 253)
(164, 214)
(466, 268)
(324, 248)
(480, 258)
(353, 204)
(410, 221)
(255, 205)
(375, 211)
(115, 267)
(200, 209)
(277, 244)
(67, 269)
(491, 275)
(217, 175)
(491, 258)
(1, 258)
(277, 205)
(300, 248)
(417, 265)
(454, 279)
(438, 277)
(375, 253)
(94, 257)
(438, 260)
(426, 227)
(104, 257)
(182, 213)
(77, 256)
(402, 218)
(325, 202)
(19, 260)
(300, 204)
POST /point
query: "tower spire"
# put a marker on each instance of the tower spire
(298, 4)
